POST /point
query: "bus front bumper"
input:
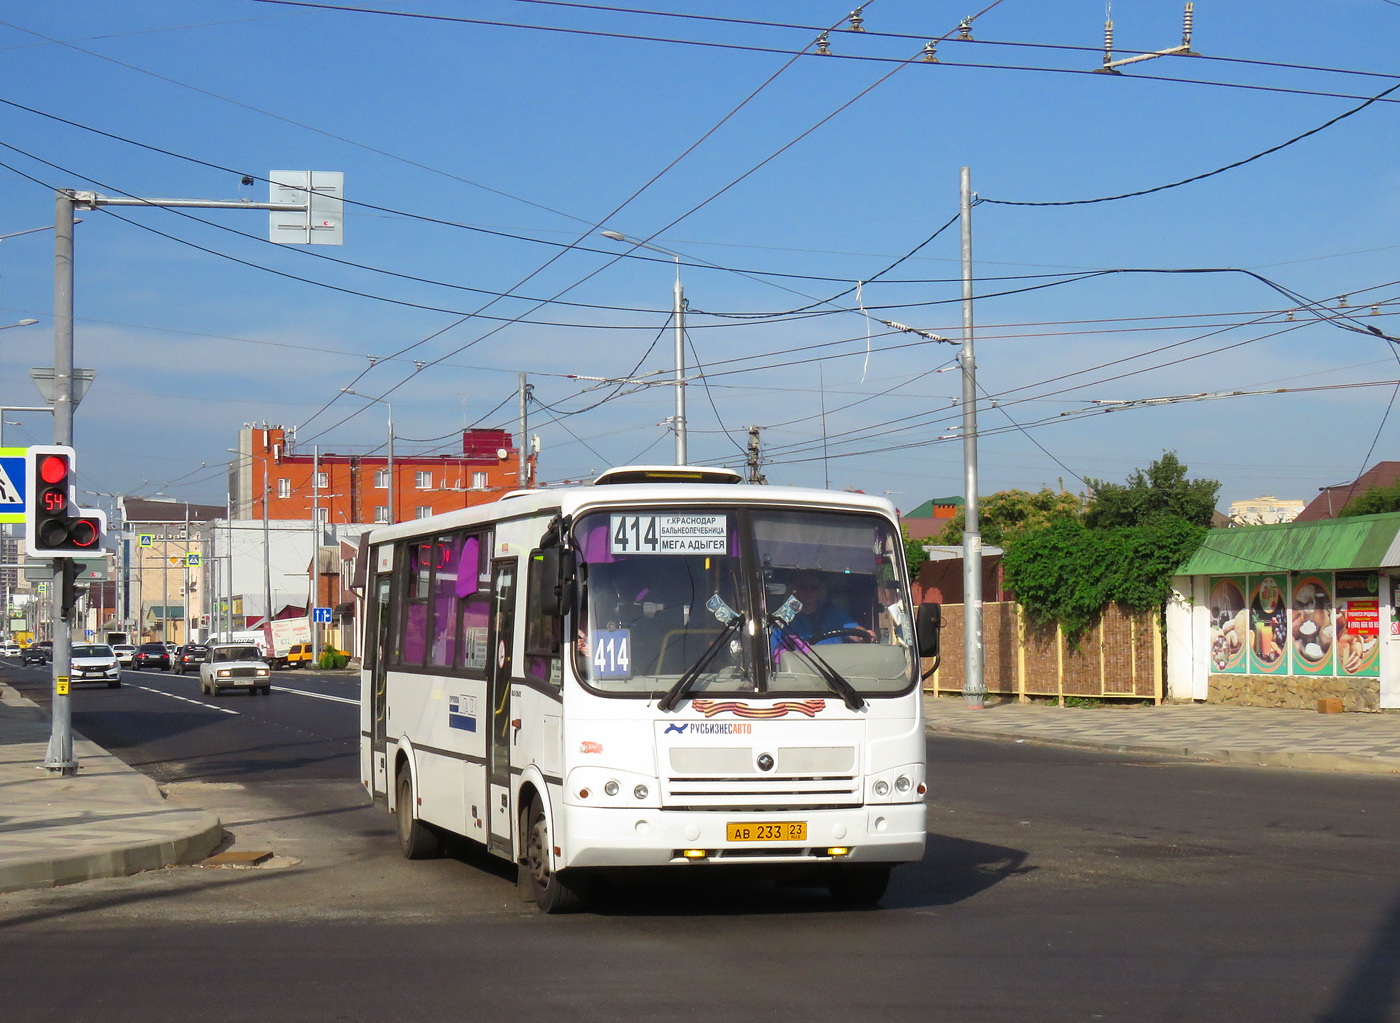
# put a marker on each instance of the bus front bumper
(606, 837)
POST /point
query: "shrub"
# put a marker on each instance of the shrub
(332, 659)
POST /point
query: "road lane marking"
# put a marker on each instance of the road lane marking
(186, 699)
(317, 696)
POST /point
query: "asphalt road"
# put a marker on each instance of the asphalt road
(1058, 885)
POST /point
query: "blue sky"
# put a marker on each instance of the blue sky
(562, 128)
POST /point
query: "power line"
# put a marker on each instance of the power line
(1208, 174)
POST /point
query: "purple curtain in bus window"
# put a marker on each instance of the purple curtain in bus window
(595, 546)
(450, 567)
(415, 633)
(471, 562)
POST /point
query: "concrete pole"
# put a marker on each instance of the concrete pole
(393, 516)
(267, 561)
(680, 367)
(974, 688)
(522, 478)
(164, 581)
(59, 756)
(315, 554)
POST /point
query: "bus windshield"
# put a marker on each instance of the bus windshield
(755, 602)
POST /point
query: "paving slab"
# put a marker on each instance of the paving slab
(108, 820)
(1264, 736)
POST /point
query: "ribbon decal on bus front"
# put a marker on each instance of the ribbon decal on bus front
(668, 534)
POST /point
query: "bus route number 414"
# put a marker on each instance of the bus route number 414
(612, 654)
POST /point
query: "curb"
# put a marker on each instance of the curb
(203, 835)
(1244, 758)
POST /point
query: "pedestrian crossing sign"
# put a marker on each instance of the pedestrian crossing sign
(12, 484)
(192, 560)
(145, 540)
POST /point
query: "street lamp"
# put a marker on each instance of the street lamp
(679, 314)
(21, 323)
(369, 397)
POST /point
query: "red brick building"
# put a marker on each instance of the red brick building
(355, 488)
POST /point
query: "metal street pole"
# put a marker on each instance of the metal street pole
(974, 688)
(315, 553)
(679, 314)
(59, 756)
(522, 478)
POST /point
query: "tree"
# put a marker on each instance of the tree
(1162, 492)
(914, 553)
(1376, 501)
(1007, 514)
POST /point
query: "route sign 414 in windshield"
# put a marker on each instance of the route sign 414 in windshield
(12, 484)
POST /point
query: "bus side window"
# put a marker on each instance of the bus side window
(414, 560)
(544, 634)
(474, 605)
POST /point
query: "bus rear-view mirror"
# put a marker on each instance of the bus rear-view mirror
(927, 627)
(558, 568)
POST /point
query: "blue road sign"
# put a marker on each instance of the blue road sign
(192, 559)
(12, 484)
(321, 615)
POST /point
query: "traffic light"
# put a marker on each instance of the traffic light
(55, 527)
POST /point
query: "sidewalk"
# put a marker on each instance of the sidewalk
(1239, 735)
(106, 821)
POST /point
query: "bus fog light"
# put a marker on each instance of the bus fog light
(694, 854)
(838, 850)
(882, 788)
(610, 788)
(902, 783)
(640, 792)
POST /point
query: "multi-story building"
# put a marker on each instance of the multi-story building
(159, 591)
(350, 489)
(1264, 511)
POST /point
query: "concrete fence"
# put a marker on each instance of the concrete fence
(1118, 657)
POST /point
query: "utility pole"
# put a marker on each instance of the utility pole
(755, 459)
(164, 581)
(59, 756)
(680, 367)
(523, 475)
(315, 553)
(267, 560)
(974, 689)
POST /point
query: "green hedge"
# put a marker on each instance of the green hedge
(331, 658)
(1069, 573)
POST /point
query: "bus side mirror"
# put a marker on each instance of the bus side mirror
(927, 626)
(558, 569)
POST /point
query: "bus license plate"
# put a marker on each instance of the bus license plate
(767, 831)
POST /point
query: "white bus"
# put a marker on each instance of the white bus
(662, 668)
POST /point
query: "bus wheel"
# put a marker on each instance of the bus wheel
(553, 892)
(417, 839)
(859, 886)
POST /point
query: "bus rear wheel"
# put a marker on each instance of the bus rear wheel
(417, 839)
(859, 886)
(553, 891)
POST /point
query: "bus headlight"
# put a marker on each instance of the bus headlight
(902, 783)
(610, 788)
(882, 787)
(640, 792)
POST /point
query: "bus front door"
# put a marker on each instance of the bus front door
(378, 692)
(498, 755)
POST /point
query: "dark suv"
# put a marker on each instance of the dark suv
(189, 658)
(37, 653)
(151, 655)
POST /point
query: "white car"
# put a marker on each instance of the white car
(9, 649)
(125, 652)
(95, 662)
(234, 666)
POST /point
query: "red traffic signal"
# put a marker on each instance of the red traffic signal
(55, 526)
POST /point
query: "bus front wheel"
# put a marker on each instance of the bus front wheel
(417, 839)
(553, 891)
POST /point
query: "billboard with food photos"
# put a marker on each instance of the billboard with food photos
(1358, 628)
(1268, 621)
(1229, 624)
(1311, 629)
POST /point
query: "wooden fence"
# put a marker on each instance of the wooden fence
(1119, 657)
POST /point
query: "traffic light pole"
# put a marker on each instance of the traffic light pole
(59, 758)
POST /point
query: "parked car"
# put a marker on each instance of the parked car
(34, 653)
(95, 662)
(125, 653)
(189, 658)
(151, 655)
(234, 666)
(299, 656)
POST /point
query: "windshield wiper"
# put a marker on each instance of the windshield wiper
(692, 674)
(832, 677)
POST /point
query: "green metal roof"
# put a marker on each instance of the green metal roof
(1363, 541)
(925, 510)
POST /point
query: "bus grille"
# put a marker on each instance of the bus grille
(747, 794)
